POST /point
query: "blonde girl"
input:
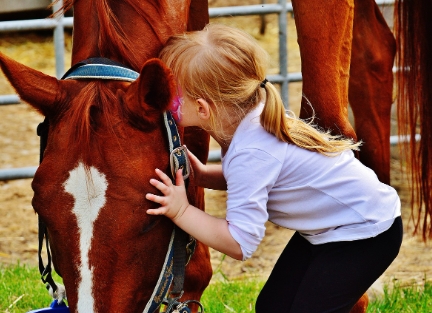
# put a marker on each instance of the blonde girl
(276, 167)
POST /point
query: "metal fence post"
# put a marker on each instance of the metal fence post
(59, 42)
(283, 51)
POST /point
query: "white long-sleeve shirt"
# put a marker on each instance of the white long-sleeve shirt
(325, 199)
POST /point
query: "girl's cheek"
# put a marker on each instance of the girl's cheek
(175, 108)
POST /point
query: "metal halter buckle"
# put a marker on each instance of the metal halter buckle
(179, 160)
(174, 305)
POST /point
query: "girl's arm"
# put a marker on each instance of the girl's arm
(207, 176)
(208, 229)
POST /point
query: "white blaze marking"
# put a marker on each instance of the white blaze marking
(88, 189)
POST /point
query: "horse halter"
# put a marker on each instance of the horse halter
(181, 246)
(101, 68)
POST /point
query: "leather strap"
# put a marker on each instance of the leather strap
(45, 271)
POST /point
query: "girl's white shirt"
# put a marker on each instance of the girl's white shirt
(325, 199)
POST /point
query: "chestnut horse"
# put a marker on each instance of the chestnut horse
(348, 52)
(105, 139)
(348, 44)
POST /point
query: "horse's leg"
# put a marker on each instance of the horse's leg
(361, 305)
(371, 85)
(324, 35)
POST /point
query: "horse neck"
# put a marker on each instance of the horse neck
(128, 31)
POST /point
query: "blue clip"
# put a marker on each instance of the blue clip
(59, 308)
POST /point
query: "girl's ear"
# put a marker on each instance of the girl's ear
(203, 109)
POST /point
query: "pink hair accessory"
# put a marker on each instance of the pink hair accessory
(176, 104)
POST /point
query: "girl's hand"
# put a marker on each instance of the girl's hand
(199, 169)
(174, 201)
(210, 230)
(207, 176)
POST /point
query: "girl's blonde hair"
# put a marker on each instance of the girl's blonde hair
(226, 66)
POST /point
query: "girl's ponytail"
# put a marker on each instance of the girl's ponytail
(286, 127)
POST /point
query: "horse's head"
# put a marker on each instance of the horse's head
(105, 140)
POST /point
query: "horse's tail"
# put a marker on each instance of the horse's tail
(413, 30)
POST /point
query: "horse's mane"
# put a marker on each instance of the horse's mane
(413, 29)
(96, 99)
(112, 36)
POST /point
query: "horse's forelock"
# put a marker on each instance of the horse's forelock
(95, 104)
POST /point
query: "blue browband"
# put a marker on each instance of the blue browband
(102, 71)
(100, 68)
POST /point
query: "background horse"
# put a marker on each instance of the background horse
(348, 53)
(105, 140)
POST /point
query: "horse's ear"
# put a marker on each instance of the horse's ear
(34, 87)
(150, 94)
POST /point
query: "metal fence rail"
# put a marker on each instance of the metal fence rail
(282, 8)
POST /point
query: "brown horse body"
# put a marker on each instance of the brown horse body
(105, 140)
(348, 52)
(348, 44)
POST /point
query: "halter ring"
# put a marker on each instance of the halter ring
(179, 160)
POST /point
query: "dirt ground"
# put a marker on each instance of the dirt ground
(19, 147)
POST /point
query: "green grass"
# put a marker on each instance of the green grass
(239, 297)
(415, 299)
(231, 296)
(21, 290)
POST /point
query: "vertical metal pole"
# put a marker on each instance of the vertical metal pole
(263, 19)
(59, 41)
(283, 52)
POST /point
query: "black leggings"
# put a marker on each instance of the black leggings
(329, 277)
